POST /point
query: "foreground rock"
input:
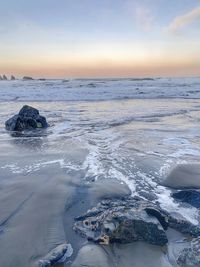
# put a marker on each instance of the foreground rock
(184, 176)
(191, 197)
(120, 221)
(57, 255)
(190, 257)
(27, 118)
(133, 219)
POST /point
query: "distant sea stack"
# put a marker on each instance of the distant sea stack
(27, 78)
(5, 78)
(12, 78)
(1, 78)
(28, 118)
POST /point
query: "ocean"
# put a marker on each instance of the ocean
(132, 130)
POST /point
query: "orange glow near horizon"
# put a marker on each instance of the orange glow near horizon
(101, 69)
(115, 39)
(136, 60)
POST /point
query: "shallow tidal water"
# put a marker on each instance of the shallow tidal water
(98, 129)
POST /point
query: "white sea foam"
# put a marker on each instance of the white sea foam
(167, 203)
(77, 90)
(63, 163)
(186, 152)
(118, 135)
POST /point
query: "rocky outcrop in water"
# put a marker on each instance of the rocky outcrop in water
(27, 118)
(190, 257)
(12, 78)
(1, 78)
(191, 197)
(57, 255)
(126, 221)
(27, 78)
(5, 78)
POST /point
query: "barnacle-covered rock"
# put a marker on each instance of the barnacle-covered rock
(116, 221)
(133, 219)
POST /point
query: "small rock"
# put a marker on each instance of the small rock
(92, 85)
(57, 255)
(191, 197)
(178, 222)
(27, 78)
(27, 118)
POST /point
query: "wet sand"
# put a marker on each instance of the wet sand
(184, 176)
(33, 206)
(48, 180)
(38, 210)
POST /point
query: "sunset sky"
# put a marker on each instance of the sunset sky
(100, 38)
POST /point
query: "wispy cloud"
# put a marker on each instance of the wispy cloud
(144, 18)
(179, 22)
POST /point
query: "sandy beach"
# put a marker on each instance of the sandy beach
(93, 151)
(99, 133)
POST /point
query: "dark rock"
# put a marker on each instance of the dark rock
(57, 255)
(27, 111)
(142, 79)
(5, 78)
(42, 79)
(1, 78)
(184, 176)
(27, 78)
(191, 197)
(27, 118)
(122, 222)
(160, 217)
(92, 85)
(190, 257)
(41, 122)
(130, 220)
(178, 222)
(12, 78)
(173, 220)
(15, 124)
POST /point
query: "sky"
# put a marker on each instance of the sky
(100, 38)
